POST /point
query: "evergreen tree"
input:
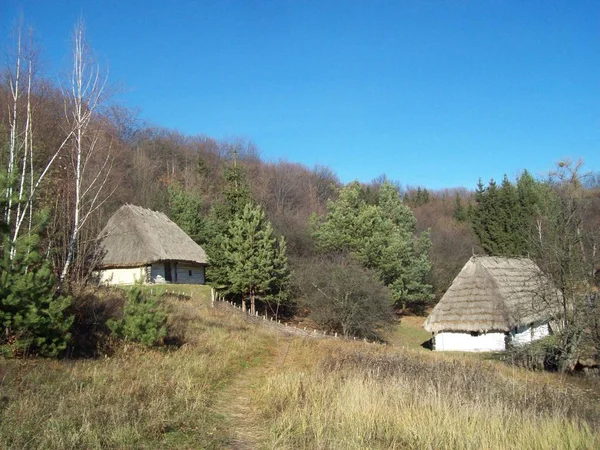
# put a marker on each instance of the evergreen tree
(256, 263)
(503, 217)
(511, 240)
(278, 293)
(393, 208)
(184, 210)
(143, 320)
(460, 212)
(33, 317)
(235, 196)
(381, 237)
(532, 195)
(418, 197)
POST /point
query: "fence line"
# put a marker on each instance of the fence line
(219, 301)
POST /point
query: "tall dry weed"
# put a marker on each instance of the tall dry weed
(376, 399)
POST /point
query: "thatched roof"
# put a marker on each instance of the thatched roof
(135, 236)
(494, 293)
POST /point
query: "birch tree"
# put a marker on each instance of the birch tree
(90, 158)
(22, 178)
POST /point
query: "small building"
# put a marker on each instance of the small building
(140, 245)
(492, 303)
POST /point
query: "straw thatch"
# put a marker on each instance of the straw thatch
(494, 294)
(135, 236)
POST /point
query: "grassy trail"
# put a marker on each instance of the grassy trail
(236, 403)
(236, 407)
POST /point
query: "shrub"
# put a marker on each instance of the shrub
(543, 354)
(143, 319)
(345, 297)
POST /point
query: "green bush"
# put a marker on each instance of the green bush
(143, 321)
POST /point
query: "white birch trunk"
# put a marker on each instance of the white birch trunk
(27, 152)
(86, 93)
(14, 87)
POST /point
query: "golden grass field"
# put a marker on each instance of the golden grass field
(234, 384)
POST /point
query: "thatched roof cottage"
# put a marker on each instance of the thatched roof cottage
(492, 302)
(138, 244)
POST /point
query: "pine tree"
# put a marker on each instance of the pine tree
(256, 264)
(34, 319)
(236, 196)
(278, 293)
(381, 237)
(143, 320)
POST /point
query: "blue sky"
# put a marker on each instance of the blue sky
(431, 93)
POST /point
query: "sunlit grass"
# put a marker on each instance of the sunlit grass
(136, 398)
(306, 393)
(367, 397)
(408, 333)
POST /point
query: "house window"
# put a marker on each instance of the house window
(190, 273)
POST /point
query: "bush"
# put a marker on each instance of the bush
(345, 297)
(143, 320)
(542, 354)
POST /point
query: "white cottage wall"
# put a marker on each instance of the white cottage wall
(466, 342)
(527, 334)
(128, 275)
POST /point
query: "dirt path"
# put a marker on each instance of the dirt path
(235, 402)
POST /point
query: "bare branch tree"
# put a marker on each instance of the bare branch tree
(83, 100)
(566, 247)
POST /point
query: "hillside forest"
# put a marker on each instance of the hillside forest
(280, 236)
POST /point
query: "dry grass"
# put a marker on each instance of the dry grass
(313, 394)
(137, 398)
(333, 396)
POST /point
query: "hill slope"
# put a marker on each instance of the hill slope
(234, 384)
